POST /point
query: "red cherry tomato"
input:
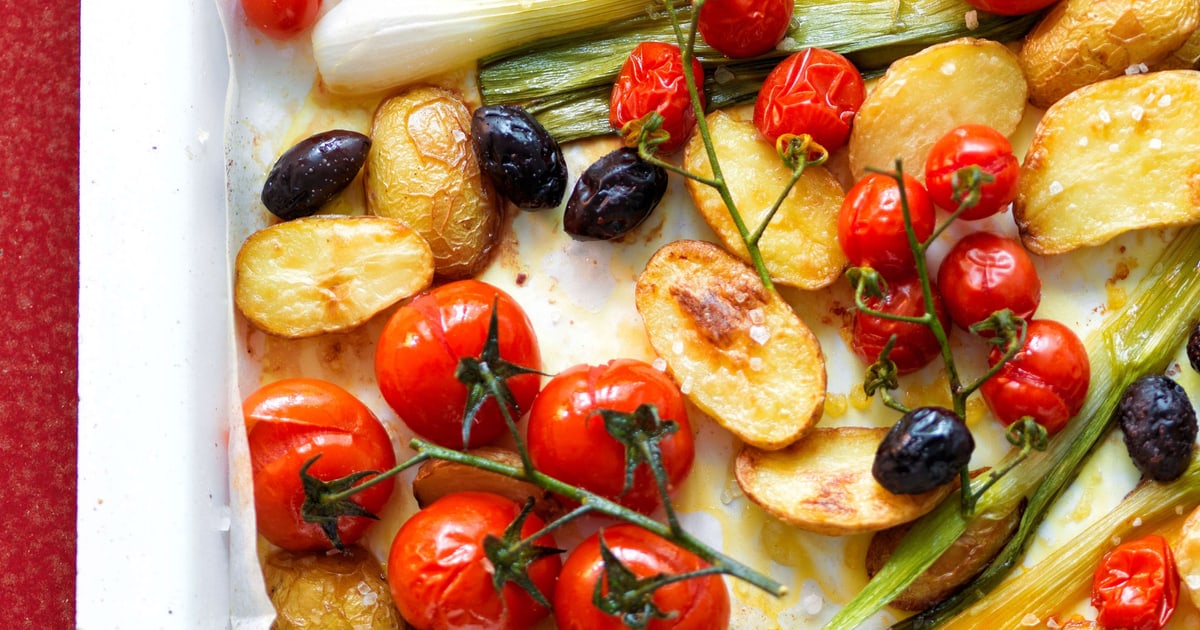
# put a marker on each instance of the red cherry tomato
(985, 272)
(814, 91)
(915, 344)
(871, 224)
(1047, 379)
(652, 80)
(744, 28)
(565, 425)
(973, 145)
(441, 578)
(1136, 585)
(1010, 7)
(698, 603)
(281, 19)
(420, 348)
(289, 422)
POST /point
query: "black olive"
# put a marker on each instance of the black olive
(613, 196)
(925, 449)
(1193, 348)
(314, 171)
(521, 158)
(1160, 426)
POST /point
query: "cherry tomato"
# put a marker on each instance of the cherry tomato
(652, 80)
(744, 28)
(1047, 379)
(565, 425)
(985, 272)
(289, 422)
(281, 19)
(420, 348)
(697, 604)
(1010, 7)
(973, 145)
(441, 578)
(915, 344)
(871, 224)
(814, 91)
(1136, 585)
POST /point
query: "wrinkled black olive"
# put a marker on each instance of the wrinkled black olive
(1160, 426)
(314, 171)
(925, 449)
(521, 158)
(1193, 348)
(613, 196)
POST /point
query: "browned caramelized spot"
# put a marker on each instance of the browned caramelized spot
(720, 310)
(833, 497)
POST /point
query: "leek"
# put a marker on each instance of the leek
(1139, 338)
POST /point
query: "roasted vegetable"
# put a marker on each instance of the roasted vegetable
(1159, 424)
(923, 451)
(613, 196)
(314, 171)
(438, 477)
(523, 162)
(329, 591)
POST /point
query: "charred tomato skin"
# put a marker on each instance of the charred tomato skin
(923, 451)
(313, 172)
(613, 196)
(521, 158)
(1047, 379)
(1159, 423)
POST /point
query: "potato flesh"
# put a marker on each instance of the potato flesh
(329, 591)
(799, 246)
(328, 274)
(1114, 156)
(738, 351)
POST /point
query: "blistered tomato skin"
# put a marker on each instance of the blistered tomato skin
(1136, 585)
(314, 171)
(613, 196)
(966, 146)
(871, 228)
(923, 451)
(985, 272)
(1047, 379)
(522, 159)
(652, 80)
(915, 344)
(281, 19)
(744, 28)
(1159, 423)
(815, 92)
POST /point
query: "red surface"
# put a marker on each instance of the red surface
(39, 297)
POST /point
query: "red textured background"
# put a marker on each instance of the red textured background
(39, 297)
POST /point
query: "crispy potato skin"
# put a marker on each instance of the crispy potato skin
(329, 591)
(422, 169)
(1080, 42)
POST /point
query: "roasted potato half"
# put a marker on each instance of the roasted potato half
(1080, 42)
(823, 483)
(329, 591)
(737, 350)
(1187, 555)
(927, 94)
(328, 273)
(799, 246)
(438, 477)
(422, 169)
(1114, 156)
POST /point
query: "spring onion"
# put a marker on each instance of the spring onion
(1139, 338)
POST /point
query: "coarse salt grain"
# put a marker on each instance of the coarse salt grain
(1115, 540)
(1155, 143)
(659, 364)
(1083, 141)
(1104, 116)
(1164, 100)
(1114, 147)
(760, 334)
(677, 347)
(1136, 112)
(685, 387)
(1137, 522)
(756, 364)
(1030, 620)
(1193, 581)
(949, 68)
(1052, 623)
(756, 315)
(971, 18)
(1055, 187)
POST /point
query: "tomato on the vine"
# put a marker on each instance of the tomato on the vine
(871, 224)
(420, 349)
(1047, 379)
(652, 80)
(565, 425)
(1010, 7)
(1136, 585)
(700, 603)
(288, 423)
(973, 145)
(744, 28)
(281, 19)
(985, 272)
(441, 578)
(915, 345)
(815, 92)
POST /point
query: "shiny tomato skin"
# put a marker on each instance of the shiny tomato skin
(290, 421)
(871, 224)
(652, 80)
(565, 426)
(744, 28)
(915, 344)
(973, 145)
(1010, 7)
(700, 603)
(421, 346)
(1047, 379)
(441, 579)
(281, 19)
(985, 272)
(815, 92)
(1136, 585)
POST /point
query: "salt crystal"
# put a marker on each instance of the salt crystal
(1155, 143)
(677, 347)
(1055, 187)
(364, 588)
(1114, 148)
(756, 364)
(1083, 141)
(1136, 112)
(369, 599)
(949, 68)
(685, 387)
(760, 334)
(1193, 581)
(812, 603)
(972, 20)
(1052, 623)
(1104, 117)
(659, 364)
(757, 316)
(1137, 522)
(1115, 540)
(1164, 101)
(1030, 620)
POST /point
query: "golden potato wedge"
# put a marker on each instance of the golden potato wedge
(927, 94)
(438, 477)
(329, 590)
(799, 246)
(328, 273)
(422, 169)
(823, 483)
(1114, 156)
(1187, 555)
(737, 350)
(1080, 42)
